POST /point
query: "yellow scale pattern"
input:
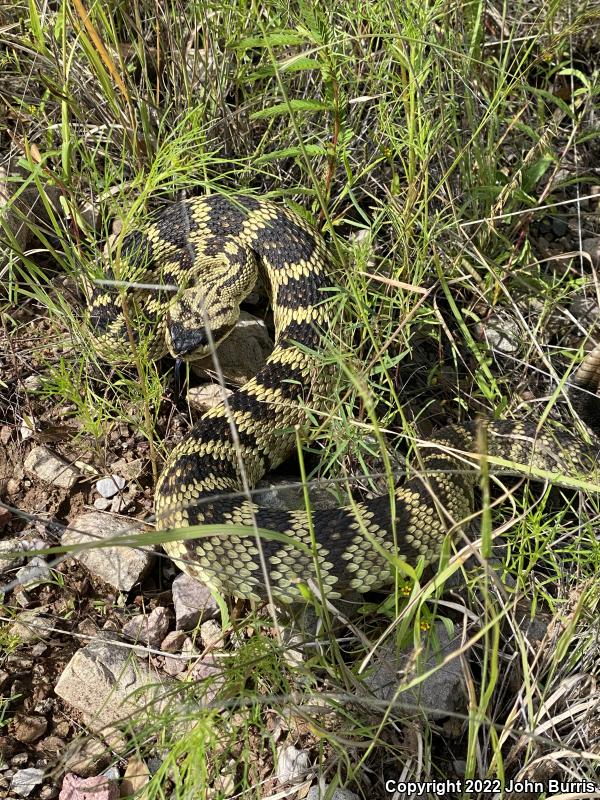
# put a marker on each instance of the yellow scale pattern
(356, 547)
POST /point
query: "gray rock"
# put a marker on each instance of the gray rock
(502, 334)
(193, 602)
(174, 666)
(292, 764)
(121, 567)
(31, 624)
(24, 781)
(438, 694)
(20, 204)
(242, 354)
(316, 793)
(585, 309)
(559, 226)
(149, 630)
(130, 470)
(207, 669)
(85, 756)
(109, 684)
(37, 571)
(48, 467)
(592, 246)
(109, 487)
(9, 554)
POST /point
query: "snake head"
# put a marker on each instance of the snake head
(197, 322)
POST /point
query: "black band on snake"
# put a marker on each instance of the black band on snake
(213, 248)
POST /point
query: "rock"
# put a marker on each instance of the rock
(193, 602)
(559, 226)
(97, 787)
(242, 354)
(130, 470)
(585, 309)
(37, 571)
(19, 760)
(502, 334)
(28, 729)
(48, 792)
(101, 503)
(15, 209)
(112, 773)
(85, 756)
(48, 467)
(109, 487)
(13, 487)
(210, 633)
(592, 246)
(316, 793)
(137, 775)
(24, 781)
(31, 624)
(174, 666)
(292, 764)
(207, 669)
(52, 745)
(436, 696)
(33, 383)
(173, 642)
(148, 630)
(108, 684)
(120, 566)
(202, 398)
(10, 557)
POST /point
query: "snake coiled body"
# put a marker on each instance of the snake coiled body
(213, 248)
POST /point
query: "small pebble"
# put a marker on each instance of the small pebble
(24, 781)
(559, 226)
(109, 487)
(101, 503)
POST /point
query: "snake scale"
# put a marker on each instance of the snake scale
(212, 249)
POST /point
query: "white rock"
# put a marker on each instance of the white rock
(101, 503)
(292, 764)
(24, 781)
(37, 571)
(108, 487)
